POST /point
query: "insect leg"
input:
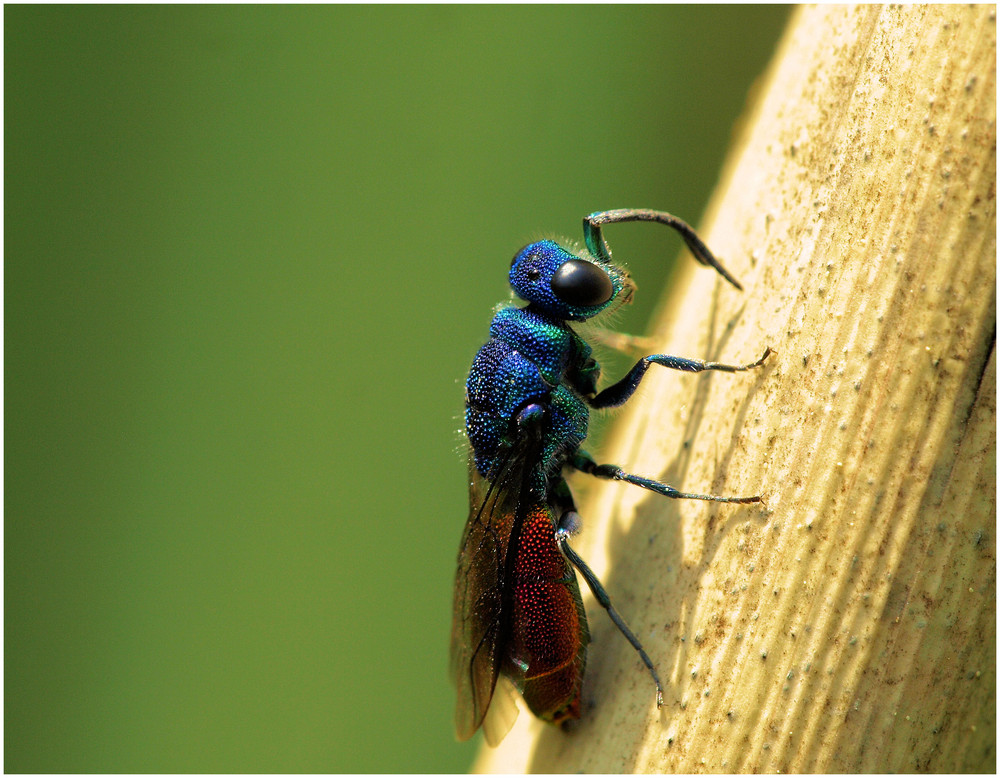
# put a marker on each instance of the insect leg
(567, 525)
(619, 341)
(584, 463)
(599, 248)
(618, 393)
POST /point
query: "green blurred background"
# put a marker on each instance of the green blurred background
(250, 252)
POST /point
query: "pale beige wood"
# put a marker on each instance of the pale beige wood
(850, 626)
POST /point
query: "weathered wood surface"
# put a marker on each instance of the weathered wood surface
(850, 626)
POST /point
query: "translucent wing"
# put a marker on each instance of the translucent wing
(502, 713)
(481, 617)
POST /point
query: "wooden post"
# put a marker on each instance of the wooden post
(850, 626)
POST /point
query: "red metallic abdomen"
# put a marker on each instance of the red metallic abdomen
(549, 632)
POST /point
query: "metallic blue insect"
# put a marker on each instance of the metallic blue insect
(518, 618)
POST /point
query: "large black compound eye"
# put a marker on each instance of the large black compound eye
(582, 284)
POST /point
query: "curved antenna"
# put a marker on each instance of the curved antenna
(599, 248)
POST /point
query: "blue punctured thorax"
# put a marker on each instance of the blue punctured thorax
(531, 357)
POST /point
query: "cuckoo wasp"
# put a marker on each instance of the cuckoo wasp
(518, 618)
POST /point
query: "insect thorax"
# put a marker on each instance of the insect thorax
(527, 360)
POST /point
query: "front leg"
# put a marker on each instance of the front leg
(619, 341)
(618, 393)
